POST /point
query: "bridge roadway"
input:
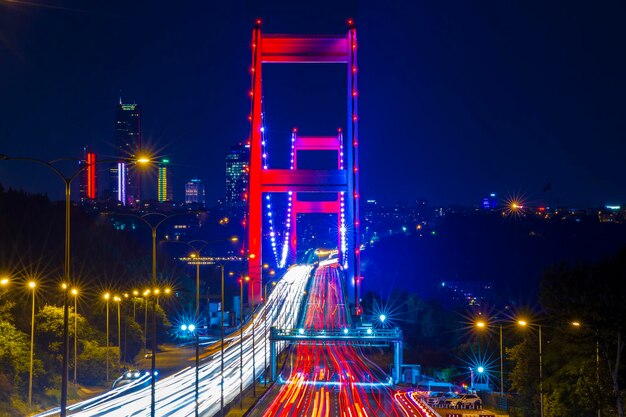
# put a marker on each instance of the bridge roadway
(321, 379)
(330, 378)
(175, 395)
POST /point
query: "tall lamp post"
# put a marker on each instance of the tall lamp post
(75, 294)
(117, 300)
(32, 285)
(241, 281)
(191, 328)
(481, 325)
(524, 323)
(576, 325)
(146, 294)
(67, 180)
(107, 296)
(265, 327)
(154, 225)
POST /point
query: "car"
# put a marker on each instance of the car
(131, 375)
(464, 401)
(438, 399)
(148, 355)
(127, 377)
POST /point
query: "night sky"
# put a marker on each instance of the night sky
(457, 98)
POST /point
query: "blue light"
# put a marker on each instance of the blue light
(183, 327)
(382, 318)
(480, 369)
(345, 331)
(301, 331)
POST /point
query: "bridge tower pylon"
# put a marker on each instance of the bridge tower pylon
(307, 49)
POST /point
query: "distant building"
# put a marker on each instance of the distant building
(195, 192)
(237, 162)
(164, 192)
(87, 177)
(490, 202)
(125, 183)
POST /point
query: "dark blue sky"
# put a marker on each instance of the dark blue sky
(457, 98)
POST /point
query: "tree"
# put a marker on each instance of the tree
(524, 376)
(595, 295)
(92, 363)
(14, 360)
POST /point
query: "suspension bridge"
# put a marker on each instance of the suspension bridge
(312, 310)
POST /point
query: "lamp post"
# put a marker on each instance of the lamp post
(126, 297)
(135, 296)
(241, 280)
(481, 325)
(107, 296)
(154, 225)
(146, 294)
(524, 323)
(32, 285)
(222, 346)
(117, 300)
(67, 180)
(75, 294)
(576, 324)
(191, 328)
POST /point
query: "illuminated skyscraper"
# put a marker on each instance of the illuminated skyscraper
(194, 192)
(237, 163)
(125, 180)
(165, 181)
(87, 185)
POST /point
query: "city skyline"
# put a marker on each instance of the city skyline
(493, 121)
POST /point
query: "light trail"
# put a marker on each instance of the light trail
(175, 395)
(329, 378)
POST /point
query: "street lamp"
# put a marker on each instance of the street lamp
(146, 294)
(107, 296)
(191, 328)
(524, 323)
(75, 294)
(153, 228)
(265, 325)
(480, 324)
(67, 180)
(117, 300)
(577, 325)
(241, 281)
(31, 285)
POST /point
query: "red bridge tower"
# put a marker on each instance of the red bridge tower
(292, 49)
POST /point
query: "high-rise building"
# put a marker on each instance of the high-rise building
(87, 180)
(125, 180)
(165, 181)
(194, 192)
(237, 163)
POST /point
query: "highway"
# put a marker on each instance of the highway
(331, 379)
(175, 395)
